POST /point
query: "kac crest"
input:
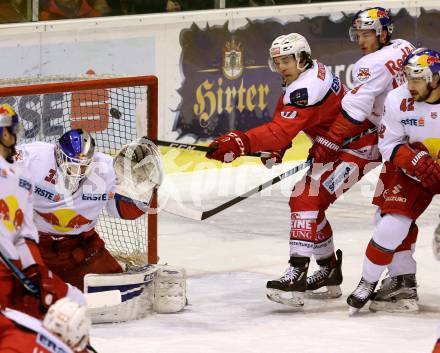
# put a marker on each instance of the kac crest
(232, 60)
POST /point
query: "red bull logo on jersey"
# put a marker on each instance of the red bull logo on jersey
(11, 215)
(64, 220)
(363, 74)
(432, 144)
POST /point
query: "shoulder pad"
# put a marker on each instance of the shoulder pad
(299, 97)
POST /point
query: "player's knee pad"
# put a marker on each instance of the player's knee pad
(391, 231)
(410, 239)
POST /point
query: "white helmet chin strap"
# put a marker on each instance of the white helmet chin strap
(302, 68)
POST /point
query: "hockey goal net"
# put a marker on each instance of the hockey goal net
(113, 110)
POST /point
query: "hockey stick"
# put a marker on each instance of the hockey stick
(190, 147)
(34, 290)
(94, 300)
(182, 211)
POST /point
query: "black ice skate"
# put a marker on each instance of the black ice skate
(329, 275)
(360, 295)
(290, 288)
(396, 295)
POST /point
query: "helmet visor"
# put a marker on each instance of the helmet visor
(73, 169)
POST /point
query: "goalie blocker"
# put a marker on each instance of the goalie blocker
(142, 290)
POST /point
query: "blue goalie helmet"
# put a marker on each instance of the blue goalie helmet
(422, 63)
(374, 18)
(74, 154)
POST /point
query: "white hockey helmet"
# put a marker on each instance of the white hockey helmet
(374, 18)
(9, 119)
(422, 63)
(289, 44)
(68, 320)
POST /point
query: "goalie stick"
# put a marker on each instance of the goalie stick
(190, 147)
(183, 211)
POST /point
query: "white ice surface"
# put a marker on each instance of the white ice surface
(229, 258)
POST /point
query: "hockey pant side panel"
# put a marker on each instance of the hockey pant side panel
(311, 233)
(73, 258)
(397, 193)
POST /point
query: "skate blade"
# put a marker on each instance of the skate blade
(352, 311)
(293, 299)
(400, 306)
(331, 293)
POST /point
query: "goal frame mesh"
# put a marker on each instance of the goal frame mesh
(25, 86)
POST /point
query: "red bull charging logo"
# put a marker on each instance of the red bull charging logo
(427, 60)
(65, 220)
(376, 14)
(11, 214)
(432, 144)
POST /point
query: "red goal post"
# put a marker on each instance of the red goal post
(107, 108)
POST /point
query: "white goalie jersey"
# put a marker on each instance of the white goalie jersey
(58, 212)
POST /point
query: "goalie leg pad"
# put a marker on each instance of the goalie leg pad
(137, 294)
(169, 289)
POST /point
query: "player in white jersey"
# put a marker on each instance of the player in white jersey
(374, 75)
(65, 329)
(72, 184)
(409, 140)
(18, 235)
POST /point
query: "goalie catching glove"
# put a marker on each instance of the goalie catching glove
(138, 170)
